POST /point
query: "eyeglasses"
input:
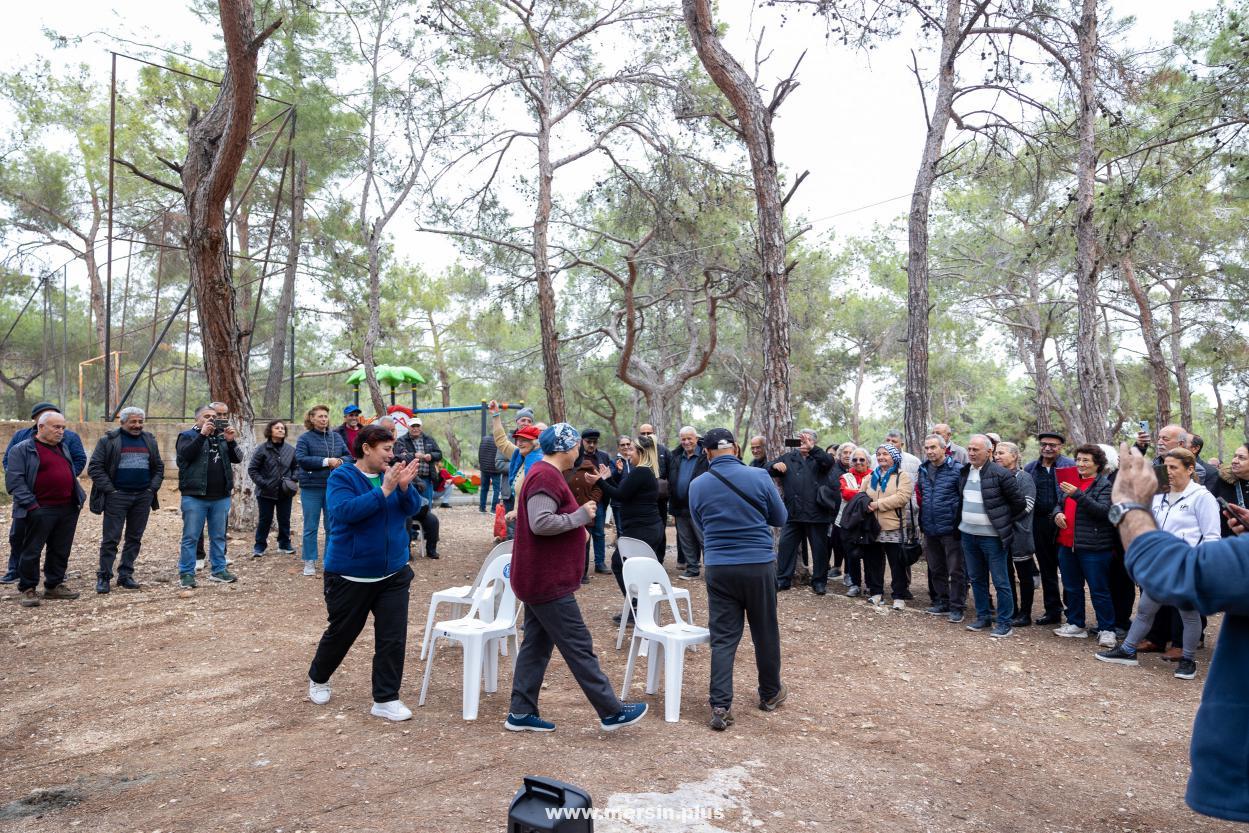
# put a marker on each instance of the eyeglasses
(1051, 445)
(646, 433)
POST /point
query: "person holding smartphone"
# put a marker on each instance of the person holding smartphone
(1231, 485)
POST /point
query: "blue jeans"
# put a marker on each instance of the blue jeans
(598, 534)
(196, 511)
(984, 556)
(1092, 568)
(313, 503)
(488, 480)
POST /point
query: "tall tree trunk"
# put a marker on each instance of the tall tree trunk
(1159, 373)
(915, 408)
(1178, 362)
(286, 300)
(216, 144)
(1094, 396)
(860, 375)
(755, 122)
(444, 385)
(553, 375)
(1219, 417)
(243, 239)
(373, 330)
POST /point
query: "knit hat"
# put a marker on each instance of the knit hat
(894, 453)
(559, 437)
(41, 407)
(529, 432)
(524, 412)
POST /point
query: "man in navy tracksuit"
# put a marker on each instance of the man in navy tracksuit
(734, 506)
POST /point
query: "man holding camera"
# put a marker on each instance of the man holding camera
(802, 470)
(205, 455)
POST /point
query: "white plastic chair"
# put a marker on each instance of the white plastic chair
(491, 619)
(462, 596)
(673, 639)
(634, 548)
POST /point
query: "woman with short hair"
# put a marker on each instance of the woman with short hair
(318, 452)
(1190, 512)
(366, 568)
(1086, 541)
(851, 483)
(272, 470)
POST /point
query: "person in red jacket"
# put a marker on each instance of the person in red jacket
(548, 557)
(860, 470)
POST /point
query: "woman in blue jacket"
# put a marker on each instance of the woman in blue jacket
(366, 568)
(317, 452)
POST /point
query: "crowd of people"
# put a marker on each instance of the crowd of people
(987, 525)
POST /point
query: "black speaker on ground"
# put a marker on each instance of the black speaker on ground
(544, 805)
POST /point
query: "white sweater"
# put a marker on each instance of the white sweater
(1192, 515)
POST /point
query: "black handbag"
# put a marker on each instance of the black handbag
(827, 498)
(912, 549)
(289, 486)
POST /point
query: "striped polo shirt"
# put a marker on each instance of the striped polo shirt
(975, 520)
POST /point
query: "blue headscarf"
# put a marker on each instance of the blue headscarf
(559, 437)
(880, 477)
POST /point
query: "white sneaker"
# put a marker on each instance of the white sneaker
(876, 601)
(318, 693)
(898, 604)
(1073, 631)
(199, 565)
(1106, 639)
(394, 710)
(310, 569)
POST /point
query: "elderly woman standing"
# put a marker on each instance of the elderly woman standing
(366, 568)
(1023, 548)
(547, 562)
(272, 469)
(890, 489)
(851, 484)
(1086, 540)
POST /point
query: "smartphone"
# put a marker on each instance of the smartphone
(1164, 479)
(1144, 423)
(1223, 504)
(792, 442)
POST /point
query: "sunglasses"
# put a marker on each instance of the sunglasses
(646, 433)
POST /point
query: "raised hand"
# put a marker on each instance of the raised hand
(407, 473)
(1136, 480)
(390, 479)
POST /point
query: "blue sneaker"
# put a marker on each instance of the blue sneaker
(978, 625)
(1001, 631)
(630, 714)
(527, 723)
(956, 616)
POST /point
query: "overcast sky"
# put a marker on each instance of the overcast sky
(856, 125)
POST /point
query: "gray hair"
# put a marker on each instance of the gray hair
(984, 438)
(1010, 448)
(202, 408)
(688, 429)
(844, 446)
(43, 417)
(894, 434)
(129, 411)
(940, 439)
(866, 453)
(810, 432)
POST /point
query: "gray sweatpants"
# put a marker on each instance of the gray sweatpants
(1147, 609)
(558, 624)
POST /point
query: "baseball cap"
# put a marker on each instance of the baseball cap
(719, 439)
(415, 421)
(352, 409)
(529, 432)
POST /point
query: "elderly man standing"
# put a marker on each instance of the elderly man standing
(802, 471)
(40, 478)
(350, 428)
(1044, 534)
(17, 527)
(937, 485)
(910, 463)
(547, 563)
(734, 506)
(589, 451)
(992, 503)
(758, 452)
(688, 462)
(126, 473)
(952, 449)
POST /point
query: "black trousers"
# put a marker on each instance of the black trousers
(874, 558)
(558, 624)
(654, 537)
(348, 605)
(816, 536)
(854, 562)
(269, 509)
(1045, 537)
(836, 547)
(17, 534)
(128, 512)
(1123, 592)
(429, 525)
(947, 577)
(735, 591)
(52, 527)
(1023, 585)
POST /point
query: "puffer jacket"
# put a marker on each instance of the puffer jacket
(271, 464)
(1023, 546)
(801, 483)
(890, 501)
(1003, 502)
(1094, 532)
(939, 497)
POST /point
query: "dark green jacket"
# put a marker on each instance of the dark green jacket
(193, 453)
(104, 462)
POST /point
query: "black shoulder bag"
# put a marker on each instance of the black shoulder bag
(912, 549)
(761, 510)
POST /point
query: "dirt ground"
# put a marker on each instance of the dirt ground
(150, 712)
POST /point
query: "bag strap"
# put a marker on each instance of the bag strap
(740, 493)
(1240, 495)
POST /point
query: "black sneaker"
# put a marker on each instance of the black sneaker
(937, 610)
(1186, 669)
(602, 569)
(102, 585)
(1023, 620)
(1119, 656)
(431, 554)
(978, 625)
(127, 583)
(8, 578)
(819, 588)
(688, 574)
(721, 718)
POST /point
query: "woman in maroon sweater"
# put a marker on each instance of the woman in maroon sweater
(547, 561)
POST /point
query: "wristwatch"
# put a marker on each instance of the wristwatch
(1120, 510)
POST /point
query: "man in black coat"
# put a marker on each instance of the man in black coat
(802, 471)
(126, 472)
(688, 462)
